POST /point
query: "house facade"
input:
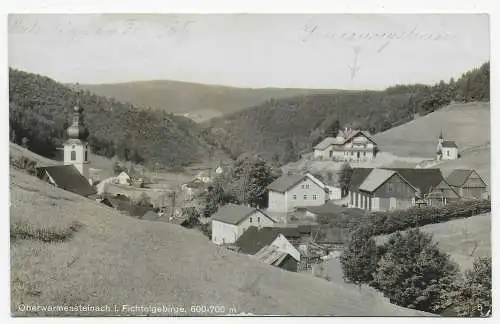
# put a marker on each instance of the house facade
(269, 246)
(390, 189)
(349, 145)
(231, 221)
(442, 195)
(467, 184)
(123, 178)
(291, 191)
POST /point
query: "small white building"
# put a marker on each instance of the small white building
(446, 150)
(123, 178)
(204, 176)
(231, 221)
(349, 145)
(291, 191)
(219, 170)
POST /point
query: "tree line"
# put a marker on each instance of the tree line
(282, 129)
(40, 109)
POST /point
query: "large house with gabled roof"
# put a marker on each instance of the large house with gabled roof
(467, 183)
(231, 221)
(349, 145)
(295, 190)
(391, 188)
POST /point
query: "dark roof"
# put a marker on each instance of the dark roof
(449, 144)
(309, 229)
(285, 182)
(323, 177)
(422, 179)
(458, 177)
(254, 239)
(288, 232)
(358, 176)
(69, 178)
(234, 214)
(326, 209)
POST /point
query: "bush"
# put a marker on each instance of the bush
(359, 259)
(472, 294)
(400, 220)
(413, 272)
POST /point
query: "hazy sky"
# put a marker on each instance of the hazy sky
(250, 50)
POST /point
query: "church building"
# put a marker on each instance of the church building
(446, 150)
(74, 174)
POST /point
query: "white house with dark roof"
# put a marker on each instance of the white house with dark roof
(446, 150)
(231, 221)
(295, 190)
(349, 145)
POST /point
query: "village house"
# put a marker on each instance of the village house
(446, 150)
(291, 191)
(331, 182)
(349, 145)
(442, 195)
(231, 221)
(74, 174)
(467, 183)
(390, 188)
(270, 246)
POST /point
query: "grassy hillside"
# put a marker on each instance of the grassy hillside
(290, 126)
(40, 109)
(464, 239)
(197, 101)
(68, 250)
(468, 124)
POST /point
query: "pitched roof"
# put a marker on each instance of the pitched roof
(326, 142)
(347, 137)
(323, 177)
(271, 255)
(285, 182)
(422, 179)
(458, 177)
(254, 239)
(69, 178)
(449, 144)
(358, 176)
(443, 189)
(375, 179)
(234, 214)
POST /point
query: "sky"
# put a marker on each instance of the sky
(344, 51)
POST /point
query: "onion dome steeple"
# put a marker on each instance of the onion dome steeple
(77, 130)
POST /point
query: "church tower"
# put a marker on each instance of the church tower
(439, 150)
(76, 148)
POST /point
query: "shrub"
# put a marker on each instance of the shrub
(413, 272)
(471, 295)
(360, 257)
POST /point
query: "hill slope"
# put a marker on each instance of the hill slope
(105, 258)
(289, 126)
(197, 101)
(464, 239)
(467, 124)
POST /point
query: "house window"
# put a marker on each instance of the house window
(86, 156)
(294, 197)
(250, 219)
(307, 186)
(305, 197)
(315, 197)
(364, 153)
(258, 219)
(302, 186)
(448, 153)
(389, 187)
(73, 155)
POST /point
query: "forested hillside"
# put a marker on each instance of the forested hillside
(40, 109)
(198, 101)
(283, 128)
